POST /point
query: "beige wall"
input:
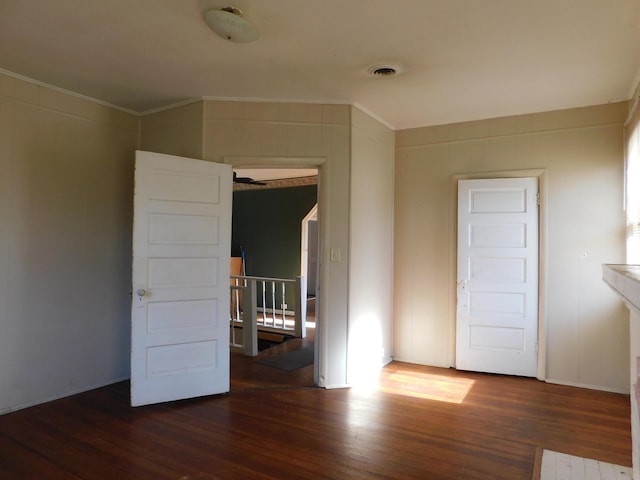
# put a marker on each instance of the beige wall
(371, 246)
(580, 154)
(289, 135)
(66, 169)
(177, 131)
(330, 137)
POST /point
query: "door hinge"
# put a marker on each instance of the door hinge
(537, 350)
(538, 198)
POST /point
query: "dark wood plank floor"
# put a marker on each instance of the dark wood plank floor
(419, 423)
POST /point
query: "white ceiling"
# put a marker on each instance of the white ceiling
(459, 59)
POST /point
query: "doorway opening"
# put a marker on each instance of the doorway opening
(269, 206)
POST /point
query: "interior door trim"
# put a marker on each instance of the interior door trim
(542, 175)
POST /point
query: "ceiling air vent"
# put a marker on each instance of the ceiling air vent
(382, 71)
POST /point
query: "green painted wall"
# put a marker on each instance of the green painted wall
(266, 224)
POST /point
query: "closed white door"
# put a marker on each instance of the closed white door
(497, 311)
(181, 256)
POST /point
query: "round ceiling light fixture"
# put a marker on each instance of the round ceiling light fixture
(229, 24)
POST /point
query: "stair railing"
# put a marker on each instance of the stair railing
(271, 317)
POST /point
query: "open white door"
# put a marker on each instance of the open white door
(181, 256)
(497, 314)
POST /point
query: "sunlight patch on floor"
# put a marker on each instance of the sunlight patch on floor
(560, 466)
(427, 386)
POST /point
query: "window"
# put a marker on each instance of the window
(632, 183)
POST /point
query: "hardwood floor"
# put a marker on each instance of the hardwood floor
(246, 374)
(419, 423)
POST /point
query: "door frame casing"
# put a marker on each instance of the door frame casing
(541, 175)
(304, 246)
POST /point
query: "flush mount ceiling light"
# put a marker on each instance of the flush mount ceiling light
(229, 24)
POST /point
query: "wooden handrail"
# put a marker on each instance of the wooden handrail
(263, 279)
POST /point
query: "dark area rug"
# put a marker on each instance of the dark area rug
(264, 344)
(290, 360)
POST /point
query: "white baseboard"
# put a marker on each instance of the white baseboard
(588, 386)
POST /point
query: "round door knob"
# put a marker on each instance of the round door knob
(141, 292)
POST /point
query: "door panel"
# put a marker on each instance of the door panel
(181, 255)
(497, 312)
